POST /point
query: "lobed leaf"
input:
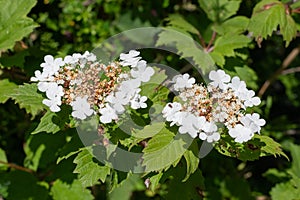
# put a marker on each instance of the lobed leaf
(28, 98)
(219, 10)
(75, 191)
(14, 24)
(88, 171)
(6, 89)
(165, 149)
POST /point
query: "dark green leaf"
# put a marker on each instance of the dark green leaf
(6, 88)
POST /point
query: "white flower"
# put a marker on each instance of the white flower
(253, 122)
(238, 86)
(138, 101)
(72, 59)
(130, 59)
(250, 99)
(241, 133)
(117, 101)
(219, 79)
(53, 104)
(54, 90)
(190, 124)
(130, 87)
(170, 110)
(209, 133)
(81, 108)
(143, 73)
(51, 65)
(183, 81)
(41, 77)
(89, 56)
(107, 114)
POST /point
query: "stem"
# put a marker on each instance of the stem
(202, 41)
(212, 39)
(12, 165)
(286, 62)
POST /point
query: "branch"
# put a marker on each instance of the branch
(286, 62)
(202, 41)
(12, 165)
(290, 71)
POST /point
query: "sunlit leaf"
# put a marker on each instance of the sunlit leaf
(75, 191)
(14, 24)
(88, 171)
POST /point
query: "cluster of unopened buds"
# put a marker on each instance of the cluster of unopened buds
(91, 87)
(204, 111)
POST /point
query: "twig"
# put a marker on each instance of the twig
(286, 62)
(290, 71)
(12, 165)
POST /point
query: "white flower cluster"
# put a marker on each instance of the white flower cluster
(203, 111)
(91, 87)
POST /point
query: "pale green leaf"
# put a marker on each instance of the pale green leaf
(28, 98)
(219, 10)
(3, 159)
(88, 171)
(63, 191)
(187, 48)
(6, 88)
(46, 124)
(179, 22)
(264, 21)
(287, 190)
(192, 160)
(271, 147)
(289, 30)
(225, 45)
(164, 150)
(124, 190)
(154, 181)
(233, 25)
(14, 24)
(149, 130)
(295, 153)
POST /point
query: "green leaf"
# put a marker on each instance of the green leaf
(124, 190)
(267, 16)
(219, 10)
(193, 188)
(75, 191)
(3, 159)
(149, 130)
(46, 124)
(154, 181)
(288, 30)
(89, 171)
(6, 89)
(258, 146)
(16, 60)
(41, 149)
(192, 160)
(179, 22)
(287, 190)
(235, 25)
(187, 48)
(295, 153)
(22, 185)
(164, 150)
(28, 97)
(225, 45)
(14, 24)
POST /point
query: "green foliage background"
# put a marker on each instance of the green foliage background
(41, 155)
